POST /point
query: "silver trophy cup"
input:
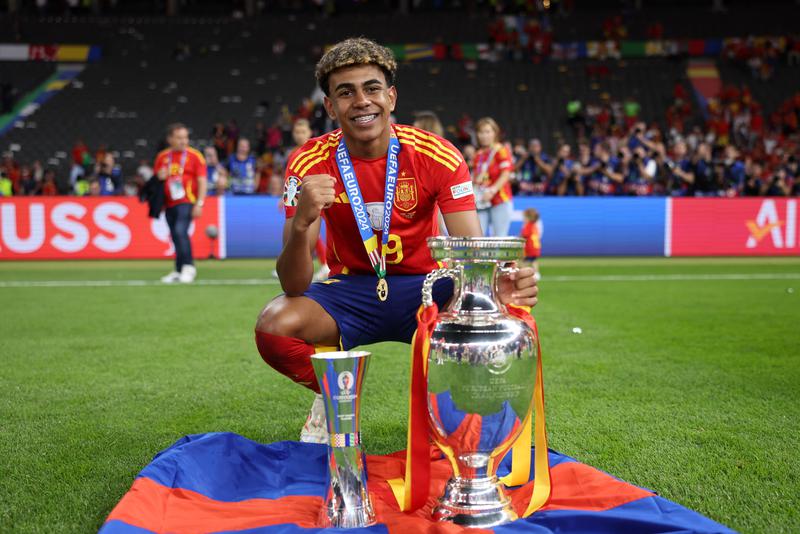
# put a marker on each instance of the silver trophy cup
(340, 376)
(481, 374)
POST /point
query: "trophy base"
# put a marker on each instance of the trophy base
(349, 517)
(474, 502)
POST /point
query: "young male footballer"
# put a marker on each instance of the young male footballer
(377, 185)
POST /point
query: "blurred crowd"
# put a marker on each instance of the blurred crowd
(738, 151)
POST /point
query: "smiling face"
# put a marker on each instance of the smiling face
(362, 102)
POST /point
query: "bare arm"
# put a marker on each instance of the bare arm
(547, 168)
(296, 264)
(615, 176)
(463, 224)
(202, 189)
(495, 187)
(686, 176)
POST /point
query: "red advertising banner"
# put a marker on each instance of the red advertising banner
(94, 228)
(733, 227)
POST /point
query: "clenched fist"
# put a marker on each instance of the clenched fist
(317, 194)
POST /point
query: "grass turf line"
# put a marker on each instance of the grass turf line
(685, 387)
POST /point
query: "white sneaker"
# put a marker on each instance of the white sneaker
(322, 273)
(316, 428)
(171, 278)
(188, 274)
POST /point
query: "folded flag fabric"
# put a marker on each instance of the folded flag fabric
(223, 482)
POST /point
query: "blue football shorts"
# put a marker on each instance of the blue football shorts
(363, 319)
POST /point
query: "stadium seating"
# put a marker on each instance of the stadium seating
(24, 75)
(228, 71)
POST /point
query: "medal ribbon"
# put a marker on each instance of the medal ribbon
(347, 172)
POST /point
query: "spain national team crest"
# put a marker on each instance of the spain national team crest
(406, 197)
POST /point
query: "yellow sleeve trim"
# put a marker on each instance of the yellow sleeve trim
(431, 155)
(428, 137)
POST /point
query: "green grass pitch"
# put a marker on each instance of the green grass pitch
(683, 381)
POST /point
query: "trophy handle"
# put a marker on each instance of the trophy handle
(433, 276)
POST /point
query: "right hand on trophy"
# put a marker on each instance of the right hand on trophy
(518, 287)
(317, 194)
(162, 173)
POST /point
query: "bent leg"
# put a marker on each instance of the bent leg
(286, 332)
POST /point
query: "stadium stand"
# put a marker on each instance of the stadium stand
(204, 70)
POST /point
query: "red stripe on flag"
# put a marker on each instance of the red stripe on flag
(577, 486)
(151, 506)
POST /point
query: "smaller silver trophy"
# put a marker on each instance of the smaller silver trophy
(340, 376)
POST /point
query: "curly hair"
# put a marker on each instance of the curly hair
(355, 51)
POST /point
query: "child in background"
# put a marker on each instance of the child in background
(533, 242)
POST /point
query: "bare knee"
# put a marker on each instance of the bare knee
(279, 319)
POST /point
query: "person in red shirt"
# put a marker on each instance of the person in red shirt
(533, 241)
(342, 177)
(183, 171)
(493, 166)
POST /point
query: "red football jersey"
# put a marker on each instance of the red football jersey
(180, 189)
(431, 173)
(500, 163)
(533, 243)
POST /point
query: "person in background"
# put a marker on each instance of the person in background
(469, 152)
(429, 121)
(560, 171)
(94, 189)
(531, 232)
(301, 133)
(607, 179)
(182, 169)
(242, 169)
(491, 174)
(682, 169)
(585, 167)
(531, 169)
(6, 187)
(49, 188)
(216, 174)
(108, 175)
(704, 183)
(29, 186)
(641, 171)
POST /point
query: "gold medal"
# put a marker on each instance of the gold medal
(382, 290)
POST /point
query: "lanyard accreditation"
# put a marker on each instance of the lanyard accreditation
(176, 189)
(368, 237)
